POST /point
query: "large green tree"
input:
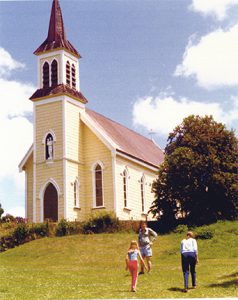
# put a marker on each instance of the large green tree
(199, 177)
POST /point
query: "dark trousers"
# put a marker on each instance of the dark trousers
(189, 264)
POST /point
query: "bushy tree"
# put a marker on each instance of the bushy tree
(199, 177)
(1, 210)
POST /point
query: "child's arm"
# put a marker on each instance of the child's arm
(127, 262)
(142, 261)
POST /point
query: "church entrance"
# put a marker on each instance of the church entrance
(51, 203)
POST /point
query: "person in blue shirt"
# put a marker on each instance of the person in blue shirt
(132, 263)
(189, 259)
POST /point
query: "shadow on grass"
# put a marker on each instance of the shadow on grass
(175, 289)
(226, 284)
(231, 275)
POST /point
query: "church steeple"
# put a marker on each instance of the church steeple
(58, 66)
(56, 38)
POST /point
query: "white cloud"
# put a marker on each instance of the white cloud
(15, 128)
(215, 8)
(163, 114)
(7, 63)
(213, 60)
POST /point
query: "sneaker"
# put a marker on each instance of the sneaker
(133, 290)
(185, 290)
(194, 287)
(141, 273)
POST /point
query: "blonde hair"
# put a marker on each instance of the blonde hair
(190, 234)
(134, 242)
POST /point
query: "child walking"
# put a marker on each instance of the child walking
(132, 263)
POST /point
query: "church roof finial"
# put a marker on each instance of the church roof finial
(56, 34)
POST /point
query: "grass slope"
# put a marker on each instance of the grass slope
(92, 266)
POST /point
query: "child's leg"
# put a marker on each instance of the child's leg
(133, 267)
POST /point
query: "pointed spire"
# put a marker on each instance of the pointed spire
(56, 34)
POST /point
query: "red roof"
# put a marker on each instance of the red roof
(58, 90)
(129, 142)
(56, 34)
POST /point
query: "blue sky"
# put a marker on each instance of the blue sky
(146, 64)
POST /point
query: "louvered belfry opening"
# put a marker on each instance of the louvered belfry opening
(68, 73)
(46, 75)
(54, 73)
(51, 203)
(73, 77)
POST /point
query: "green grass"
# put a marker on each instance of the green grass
(92, 266)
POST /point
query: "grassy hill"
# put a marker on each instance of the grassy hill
(92, 266)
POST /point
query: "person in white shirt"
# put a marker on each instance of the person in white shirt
(189, 255)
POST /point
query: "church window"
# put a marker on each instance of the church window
(98, 186)
(46, 75)
(73, 77)
(125, 187)
(76, 193)
(49, 147)
(68, 73)
(54, 73)
(142, 189)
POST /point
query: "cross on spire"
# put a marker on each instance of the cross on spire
(56, 38)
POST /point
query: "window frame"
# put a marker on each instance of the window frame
(98, 163)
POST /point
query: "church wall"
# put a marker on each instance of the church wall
(29, 188)
(94, 151)
(134, 207)
(75, 162)
(49, 117)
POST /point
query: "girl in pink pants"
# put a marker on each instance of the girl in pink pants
(132, 263)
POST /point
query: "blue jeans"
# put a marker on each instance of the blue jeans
(189, 263)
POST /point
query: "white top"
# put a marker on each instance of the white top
(189, 245)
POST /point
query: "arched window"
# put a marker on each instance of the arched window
(68, 73)
(49, 147)
(54, 73)
(98, 185)
(142, 190)
(73, 77)
(125, 187)
(46, 75)
(76, 193)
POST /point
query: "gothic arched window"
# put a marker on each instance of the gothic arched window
(142, 190)
(125, 187)
(76, 193)
(68, 73)
(54, 73)
(46, 75)
(73, 76)
(49, 147)
(98, 185)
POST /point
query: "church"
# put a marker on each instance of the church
(81, 162)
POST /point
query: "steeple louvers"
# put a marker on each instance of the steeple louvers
(56, 38)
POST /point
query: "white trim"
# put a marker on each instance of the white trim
(64, 155)
(137, 161)
(25, 158)
(42, 193)
(94, 182)
(114, 183)
(60, 98)
(34, 162)
(50, 131)
(26, 187)
(96, 128)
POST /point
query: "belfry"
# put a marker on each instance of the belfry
(80, 161)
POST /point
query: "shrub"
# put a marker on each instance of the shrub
(102, 222)
(204, 233)
(181, 229)
(21, 232)
(40, 229)
(62, 228)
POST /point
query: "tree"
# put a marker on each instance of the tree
(1, 211)
(198, 180)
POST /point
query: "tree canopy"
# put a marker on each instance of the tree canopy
(198, 180)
